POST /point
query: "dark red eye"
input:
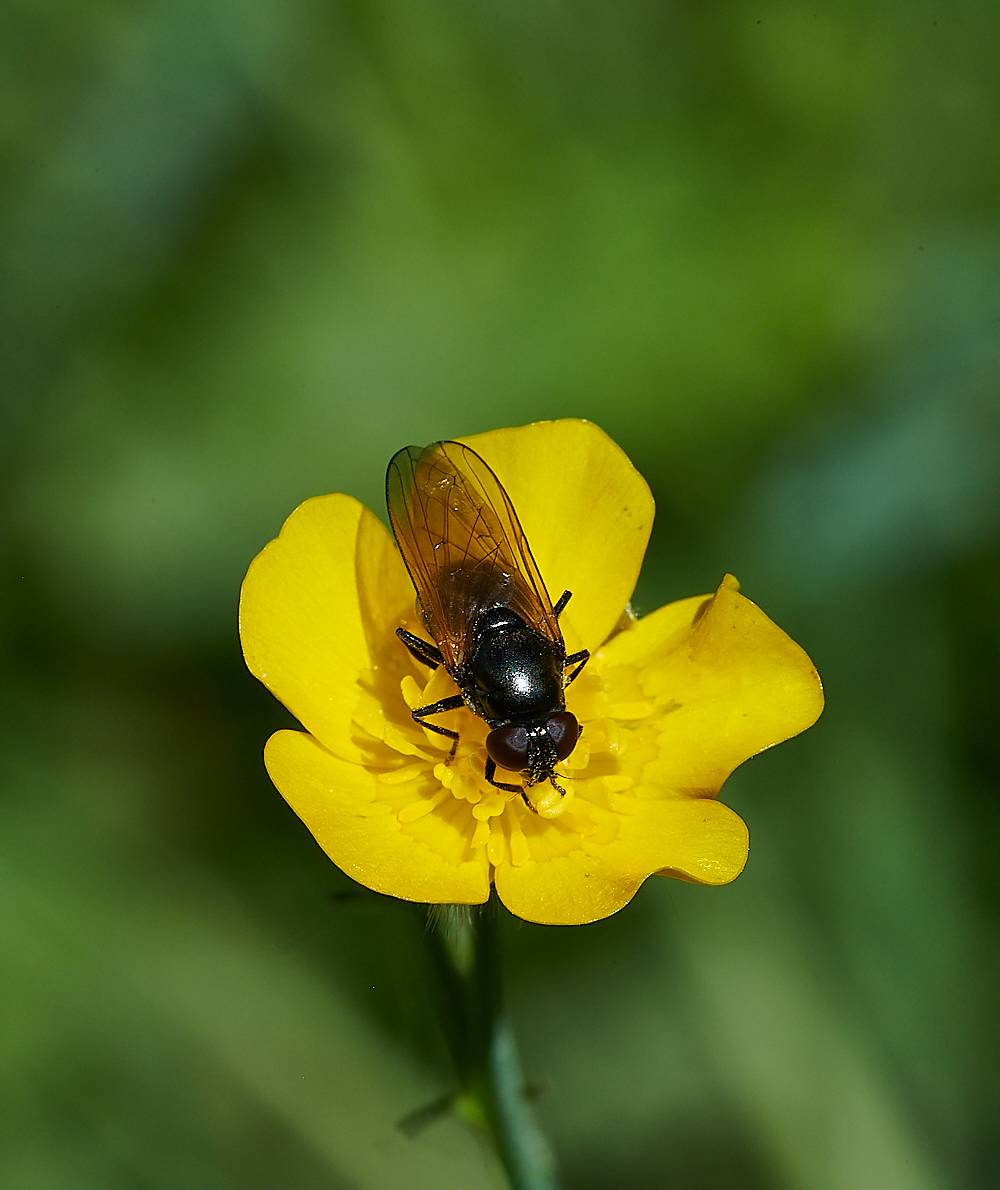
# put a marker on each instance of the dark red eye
(564, 730)
(508, 746)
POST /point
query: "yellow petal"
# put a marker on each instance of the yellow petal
(339, 803)
(697, 839)
(654, 635)
(586, 512)
(301, 623)
(732, 684)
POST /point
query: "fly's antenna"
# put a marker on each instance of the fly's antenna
(562, 777)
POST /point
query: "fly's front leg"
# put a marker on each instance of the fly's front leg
(438, 708)
(582, 657)
(490, 772)
(561, 602)
(421, 649)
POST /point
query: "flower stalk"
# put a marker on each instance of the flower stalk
(466, 949)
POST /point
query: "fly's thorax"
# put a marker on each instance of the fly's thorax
(513, 674)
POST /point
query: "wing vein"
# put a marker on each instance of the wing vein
(462, 544)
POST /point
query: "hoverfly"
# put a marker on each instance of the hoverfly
(482, 600)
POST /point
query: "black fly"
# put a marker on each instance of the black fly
(481, 598)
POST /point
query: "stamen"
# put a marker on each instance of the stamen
(491, 805)
(553, 803)
(369, 717)
(496, 848)
(631, 710)
(579, 758)
(414, 810)
(604, 735)
(578, 823)
(399, 741)
(465, 784)
(401, 775)
(520, 851)
(481, 835)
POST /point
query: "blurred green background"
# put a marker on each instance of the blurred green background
(251, 248)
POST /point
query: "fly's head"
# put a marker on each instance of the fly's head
(535, 748)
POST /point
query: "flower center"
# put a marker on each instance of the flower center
(445, 800)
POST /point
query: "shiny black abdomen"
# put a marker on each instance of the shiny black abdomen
(513, 675)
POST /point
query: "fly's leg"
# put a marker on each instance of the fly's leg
(490, 772)
(438, 708)
(421, 649)
(578, 659)
(582, 657)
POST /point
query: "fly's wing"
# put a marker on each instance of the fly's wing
(462, 544)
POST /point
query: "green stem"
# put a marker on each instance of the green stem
(466, 946)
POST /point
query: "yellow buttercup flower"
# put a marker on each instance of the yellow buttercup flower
(669, 704)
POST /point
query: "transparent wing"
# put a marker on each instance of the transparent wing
(462, 544)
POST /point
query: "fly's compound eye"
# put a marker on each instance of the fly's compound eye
(508, 746)
(564, 732)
